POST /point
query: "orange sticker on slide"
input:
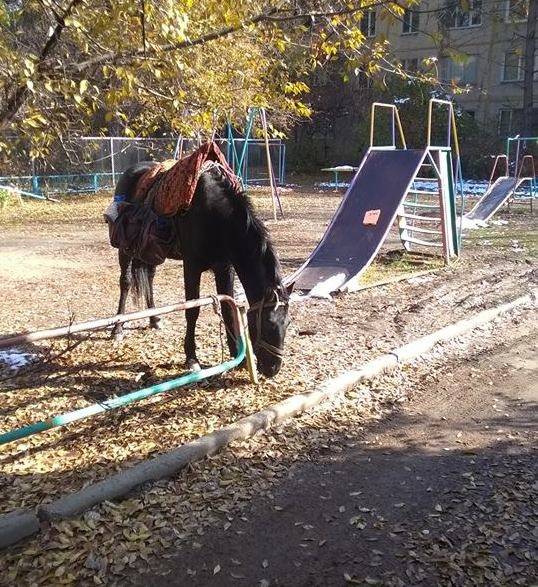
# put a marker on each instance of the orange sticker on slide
(371, 217)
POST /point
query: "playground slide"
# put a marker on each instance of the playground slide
(493, 199)
(362, 221)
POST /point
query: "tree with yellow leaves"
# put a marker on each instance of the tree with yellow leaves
(141, 67)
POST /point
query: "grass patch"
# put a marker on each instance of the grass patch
(508, 237)
(4, 198)
(397, 263)
(69, 210)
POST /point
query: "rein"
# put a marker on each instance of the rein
(259, 307)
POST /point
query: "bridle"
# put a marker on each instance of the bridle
(259, 307)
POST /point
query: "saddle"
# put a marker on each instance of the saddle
(145, 225)
(171, 184)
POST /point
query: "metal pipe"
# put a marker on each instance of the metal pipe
(395, 118)
(124, 400)
(25, 337)
(24, 193)
(274, 193)
(507, 170)
(112, 162)
(244, 152)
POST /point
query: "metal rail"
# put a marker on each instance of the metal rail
(100, 323)
(424, 218)
(420, 205)
(424, 193)
(452, 129)
(19, 192)
(520, 175)
(422, 230)
(423, 243)
(395, 122)
(494, 168)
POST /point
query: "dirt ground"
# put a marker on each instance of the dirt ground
(56, 266)
(427, 496)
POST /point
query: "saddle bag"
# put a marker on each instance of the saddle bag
(142, 233)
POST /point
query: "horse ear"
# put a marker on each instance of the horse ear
(290, 287)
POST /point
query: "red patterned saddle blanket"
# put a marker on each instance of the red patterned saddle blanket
(170, 185)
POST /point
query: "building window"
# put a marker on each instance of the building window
(458, 15)
(410, 65)
(517, 10)
(411, 21)
(509, 121)
(368, 23)
(513, 67)
(462, 72)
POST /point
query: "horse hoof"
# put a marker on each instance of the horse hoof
(117, 336)
(156, 324)
(193, 366)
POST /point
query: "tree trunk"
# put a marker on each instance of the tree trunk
(528, 79)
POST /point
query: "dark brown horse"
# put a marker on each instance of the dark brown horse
(222, 233)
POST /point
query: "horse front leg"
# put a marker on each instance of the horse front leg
(191, 277)
(125, 284)
(224, 280)
(154, 321)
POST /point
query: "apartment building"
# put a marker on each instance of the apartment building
(477, 44)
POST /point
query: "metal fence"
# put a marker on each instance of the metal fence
(90, 164)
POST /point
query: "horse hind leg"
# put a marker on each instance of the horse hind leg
(154, 321)
(125, 261)
(191, 278)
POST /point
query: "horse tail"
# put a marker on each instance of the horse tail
(140, 281)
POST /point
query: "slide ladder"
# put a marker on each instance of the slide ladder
(427, 216)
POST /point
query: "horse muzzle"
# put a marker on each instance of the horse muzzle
(268, 366)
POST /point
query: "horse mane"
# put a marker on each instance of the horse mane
(254, 227)
(127, 183)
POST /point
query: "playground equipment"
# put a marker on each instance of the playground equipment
(522, 146)
(505, 187)
(238, 158)
(383, 191)
(244, 351)
(336, 171)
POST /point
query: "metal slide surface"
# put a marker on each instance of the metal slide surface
(349, 245)
(493, 199)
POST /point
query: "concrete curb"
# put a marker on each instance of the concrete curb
(14, 527)
(17, 525)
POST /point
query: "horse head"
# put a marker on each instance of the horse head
(268, 321)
